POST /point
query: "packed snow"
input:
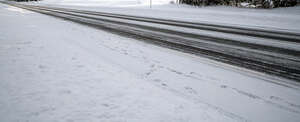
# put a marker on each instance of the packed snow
(56, 70)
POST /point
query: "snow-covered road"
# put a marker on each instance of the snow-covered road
(279, 18)
(56, 70)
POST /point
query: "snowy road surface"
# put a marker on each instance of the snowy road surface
(56, 70)
(279, 18)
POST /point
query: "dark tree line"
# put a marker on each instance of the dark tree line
(238, 3)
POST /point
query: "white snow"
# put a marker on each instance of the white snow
(119, 3)
(18, 10)
(56, 70)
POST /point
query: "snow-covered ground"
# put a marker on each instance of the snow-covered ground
(116, 3)
(282, 18)
(56, 70)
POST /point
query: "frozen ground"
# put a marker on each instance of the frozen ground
(283, 18)
(55, 70)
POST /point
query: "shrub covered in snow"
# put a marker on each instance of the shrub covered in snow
(243, 3)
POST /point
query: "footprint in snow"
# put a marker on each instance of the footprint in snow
(73, 58)
(223, 86)
(80, 66)
(163, 84)
(42, 67)
(190, 90)
(65, 92)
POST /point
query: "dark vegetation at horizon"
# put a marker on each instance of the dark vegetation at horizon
(243, 3)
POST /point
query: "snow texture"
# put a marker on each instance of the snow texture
(52, 70)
